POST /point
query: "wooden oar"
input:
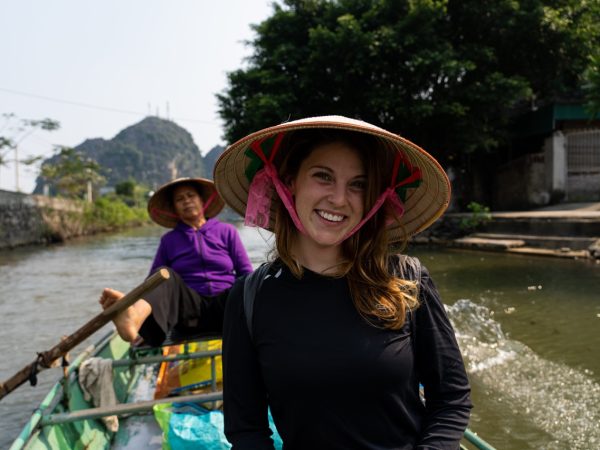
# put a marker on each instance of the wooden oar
(45, 359)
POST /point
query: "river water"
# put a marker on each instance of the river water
(529, 329)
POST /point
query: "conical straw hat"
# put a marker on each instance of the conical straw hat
(423, 205)
(160, 205)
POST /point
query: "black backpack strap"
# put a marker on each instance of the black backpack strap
(406, 267)
(252, 284)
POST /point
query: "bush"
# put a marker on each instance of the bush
(480, 215)
(105, 214)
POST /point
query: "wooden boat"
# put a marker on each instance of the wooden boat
(65, 419)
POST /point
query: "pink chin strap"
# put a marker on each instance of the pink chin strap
(161, 212)
(209, 200)
(258, 208)
(390, 196)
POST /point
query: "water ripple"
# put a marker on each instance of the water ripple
(560, 400)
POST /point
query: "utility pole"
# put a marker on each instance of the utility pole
(17, 188)
(89, 186)
(89, 191)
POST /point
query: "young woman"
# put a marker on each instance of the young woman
(342, 331)
(204, 256)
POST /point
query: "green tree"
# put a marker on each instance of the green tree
(592, 86)
(125, 188)
(71, 174)
(131, 192)
(14, 131)
(449, 74)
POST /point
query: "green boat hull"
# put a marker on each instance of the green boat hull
(67, 397)
(65, 420)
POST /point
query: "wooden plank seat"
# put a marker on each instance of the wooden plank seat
(126, 408)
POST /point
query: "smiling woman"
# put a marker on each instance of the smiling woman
(329, 195)
(336, 311)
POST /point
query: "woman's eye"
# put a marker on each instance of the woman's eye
(360, 185)
(323, 176)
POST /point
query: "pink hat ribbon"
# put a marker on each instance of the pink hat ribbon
(208, 201)
(161, 212)
(258, 207)
(391, 194)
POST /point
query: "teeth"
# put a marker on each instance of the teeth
(330, 217)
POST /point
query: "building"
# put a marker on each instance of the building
(554, 158)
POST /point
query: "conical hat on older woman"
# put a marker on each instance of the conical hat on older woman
(162, 210)
(419, 189)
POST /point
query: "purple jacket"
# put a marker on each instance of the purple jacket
(208, 260)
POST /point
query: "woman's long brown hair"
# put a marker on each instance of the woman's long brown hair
(379, 296)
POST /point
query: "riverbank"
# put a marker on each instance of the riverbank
(561, 231)
(36, 219)
(27, 219)
(569, 230)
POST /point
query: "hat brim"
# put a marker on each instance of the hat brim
(423, 206)
(160, 206)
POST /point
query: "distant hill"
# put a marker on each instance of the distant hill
(151, 152)
(210, 159)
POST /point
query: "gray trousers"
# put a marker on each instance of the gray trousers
(179, 312)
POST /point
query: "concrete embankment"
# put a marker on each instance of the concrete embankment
(35, 219)
(565, 231)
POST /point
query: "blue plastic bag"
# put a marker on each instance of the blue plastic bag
(188, 426)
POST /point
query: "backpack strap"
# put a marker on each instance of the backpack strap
(252, 284)
(406, 267)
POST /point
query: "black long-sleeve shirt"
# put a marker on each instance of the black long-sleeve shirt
(332, 380)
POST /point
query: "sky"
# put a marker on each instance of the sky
(98, 67)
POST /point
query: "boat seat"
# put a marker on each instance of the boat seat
(174, 337)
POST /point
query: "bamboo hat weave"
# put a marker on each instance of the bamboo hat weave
(423, 204)
(160, 205)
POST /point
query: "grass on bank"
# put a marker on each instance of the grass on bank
(108, 213)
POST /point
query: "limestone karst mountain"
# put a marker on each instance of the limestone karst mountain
(150, 152)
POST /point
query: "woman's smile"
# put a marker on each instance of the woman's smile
(330, 217)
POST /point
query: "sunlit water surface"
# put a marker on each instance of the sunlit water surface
(528, 329)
